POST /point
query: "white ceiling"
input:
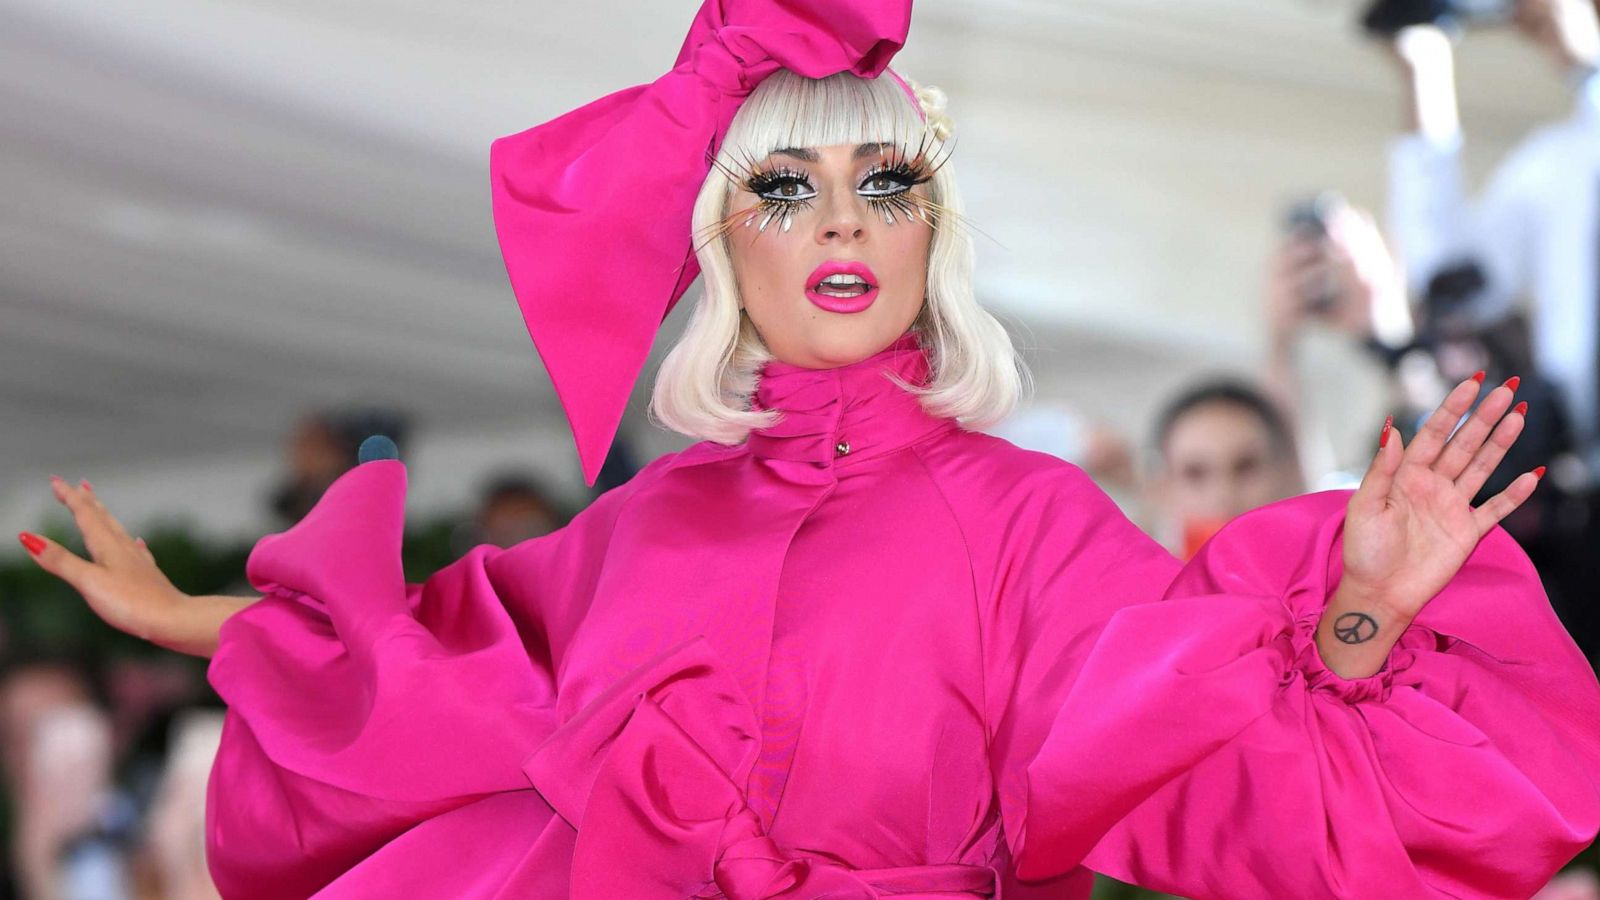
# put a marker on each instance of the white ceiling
(215, 214)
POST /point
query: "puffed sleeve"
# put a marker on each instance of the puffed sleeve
(1176, 728)
(360, 705)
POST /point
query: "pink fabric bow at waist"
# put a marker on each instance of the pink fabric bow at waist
(650, 774)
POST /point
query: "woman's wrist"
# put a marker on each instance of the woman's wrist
(1357, 631)
(192, 624)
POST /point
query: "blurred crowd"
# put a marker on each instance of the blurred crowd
(106, 746)
(106, 755)
(1505, 282)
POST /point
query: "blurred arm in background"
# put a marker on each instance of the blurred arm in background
(1529, 236)
(1339, 277)
(1434, 225)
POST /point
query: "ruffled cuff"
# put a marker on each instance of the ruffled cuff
(360, 705)
(1187, 707)
(1320, 679)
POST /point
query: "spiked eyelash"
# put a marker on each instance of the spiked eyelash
(764, 184)
(904, 175)
(898, 159)
(761, 183)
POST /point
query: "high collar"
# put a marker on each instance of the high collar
(836, 417)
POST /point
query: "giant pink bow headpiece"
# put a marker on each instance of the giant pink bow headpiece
(593, 208)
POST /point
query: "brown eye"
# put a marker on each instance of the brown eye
(781, 186)
(886, 183)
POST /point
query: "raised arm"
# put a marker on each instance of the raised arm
(122, 583)
(1434, 223)
(1190, 729)
(1411, 526)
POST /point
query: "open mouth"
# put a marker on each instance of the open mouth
(841, 285)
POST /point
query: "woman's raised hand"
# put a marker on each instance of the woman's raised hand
(1411, 525)
(120, 580)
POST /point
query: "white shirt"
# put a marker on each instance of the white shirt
(1534, 231)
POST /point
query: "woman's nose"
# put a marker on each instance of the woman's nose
(843, 221)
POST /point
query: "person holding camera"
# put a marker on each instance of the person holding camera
(1534, 234)
(1526, 250)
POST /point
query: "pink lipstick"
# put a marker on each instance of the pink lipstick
(842, 287)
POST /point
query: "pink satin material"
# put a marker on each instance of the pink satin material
(937, 665)
(593, 209)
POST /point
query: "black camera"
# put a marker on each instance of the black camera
(1308, 221)
(1387, 17)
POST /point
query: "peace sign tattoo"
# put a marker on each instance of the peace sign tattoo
(1355, 628)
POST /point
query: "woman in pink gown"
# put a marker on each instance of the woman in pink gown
(848, 646)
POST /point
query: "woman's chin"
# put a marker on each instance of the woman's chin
(836, 350)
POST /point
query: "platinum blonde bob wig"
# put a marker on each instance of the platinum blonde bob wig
(704, 387)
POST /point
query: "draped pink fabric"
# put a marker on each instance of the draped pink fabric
(936, 665)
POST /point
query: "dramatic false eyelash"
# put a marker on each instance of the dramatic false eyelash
(895, 155)
(766, 181)
(741, 176)
(906, 175)
(758, 180)
(919, 167)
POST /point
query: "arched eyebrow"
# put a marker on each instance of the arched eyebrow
(808, 155)
(865, 150)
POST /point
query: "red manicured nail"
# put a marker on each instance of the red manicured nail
(1521, 409)
(31, 541)
(1513, 381)
(1539, 472)
(84, 483)
(1480, 377)
(1383, 439)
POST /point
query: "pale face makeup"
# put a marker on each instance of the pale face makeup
(830, 251)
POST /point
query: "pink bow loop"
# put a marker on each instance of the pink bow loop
(593, 209)
(652, 774)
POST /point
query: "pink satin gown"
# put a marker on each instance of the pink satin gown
(866, 654)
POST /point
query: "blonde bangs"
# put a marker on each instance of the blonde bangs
(789, 111)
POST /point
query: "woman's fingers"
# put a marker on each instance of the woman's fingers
(100, 510)
(1431, 438)
(102, 534)
(1373, 494)
(61, 562)
(1464, 445)
(1501, 505)
(1483, 463)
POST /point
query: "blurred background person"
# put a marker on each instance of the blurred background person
(1055, 428)
(68, 830)
(513, 506)
(1219, 449)
(1529, 239)
(1510, 280)
(173, 846)
(323, 446)
(1332, 275)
